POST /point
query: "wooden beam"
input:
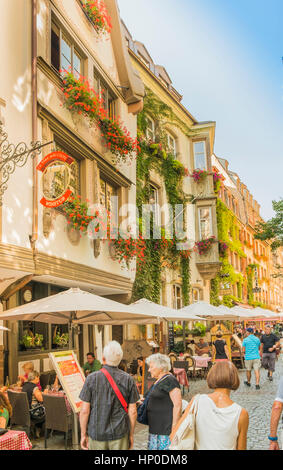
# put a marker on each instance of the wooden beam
(16, 286)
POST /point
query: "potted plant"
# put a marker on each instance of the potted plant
(117, 139)
(31, 341)
(61, 340)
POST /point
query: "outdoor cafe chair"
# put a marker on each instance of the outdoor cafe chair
(44, 380)
(193, 371)
(20, 418)
(57, 416)
(173, 357)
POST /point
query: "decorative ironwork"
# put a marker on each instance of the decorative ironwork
(12, 156)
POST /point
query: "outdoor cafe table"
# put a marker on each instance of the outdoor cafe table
(202, 361)
(15, 440)
(181, 376)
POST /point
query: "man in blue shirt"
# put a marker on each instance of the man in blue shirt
(251, 346)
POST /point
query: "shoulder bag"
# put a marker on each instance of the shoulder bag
(142, 410)
(115, 389)
(184, 436)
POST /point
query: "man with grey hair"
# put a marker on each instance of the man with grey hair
(108, 412)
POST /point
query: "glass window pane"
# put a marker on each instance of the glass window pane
(77, 64)
(55, 47)
(200, 155)
(205, 223)
(66, 55)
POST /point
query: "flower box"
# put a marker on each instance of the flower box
(97, 13)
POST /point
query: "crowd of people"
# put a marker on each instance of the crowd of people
(112, 404)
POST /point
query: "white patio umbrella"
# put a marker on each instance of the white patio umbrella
(3, 328)
(206, 310)
(265, 313)
(148, 307)
(75, 306)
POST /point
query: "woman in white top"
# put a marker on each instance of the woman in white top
(221, 424)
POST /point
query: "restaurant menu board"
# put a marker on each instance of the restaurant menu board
(70, 375)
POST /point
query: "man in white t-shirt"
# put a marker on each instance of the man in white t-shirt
(275, 418)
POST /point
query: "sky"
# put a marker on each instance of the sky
(225, 58)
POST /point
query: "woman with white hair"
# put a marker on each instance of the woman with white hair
(164, 404)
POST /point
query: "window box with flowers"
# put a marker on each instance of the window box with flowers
(81, 98)
(203, 246)
(76, 212)
(199, 175)
(96, 12)
(118, 140)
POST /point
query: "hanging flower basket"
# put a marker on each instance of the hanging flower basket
(199, 175)
(203, 246)
(97, 13)
(81, 98)
(118, 140)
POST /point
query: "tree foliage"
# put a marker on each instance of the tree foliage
(273, 228)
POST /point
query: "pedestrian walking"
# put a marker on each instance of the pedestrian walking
(250, 348)
(108, 412)
(220, 423)
(164, 402)
(275, 418)
(220, 349)
(269, 343)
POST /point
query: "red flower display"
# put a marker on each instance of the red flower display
(118, 139)
(80, 97)
(203, 246)
(98, 15)
(199, 175)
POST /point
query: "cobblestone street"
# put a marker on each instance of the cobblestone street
(258, 404)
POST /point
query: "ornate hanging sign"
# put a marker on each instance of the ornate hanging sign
(55, 178)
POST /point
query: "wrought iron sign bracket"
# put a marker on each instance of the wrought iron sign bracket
(13, 156)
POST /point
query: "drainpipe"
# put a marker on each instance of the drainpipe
(34, 236)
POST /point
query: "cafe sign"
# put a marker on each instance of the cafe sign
(55, 168)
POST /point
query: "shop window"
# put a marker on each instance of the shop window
(200, 155)
(64, 52)
(105, 93)
(37, 336)
(177, 297)
(205, 223)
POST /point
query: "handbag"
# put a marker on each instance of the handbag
(142, 409)
(115, 389)
(37, 412)
(184, 436)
